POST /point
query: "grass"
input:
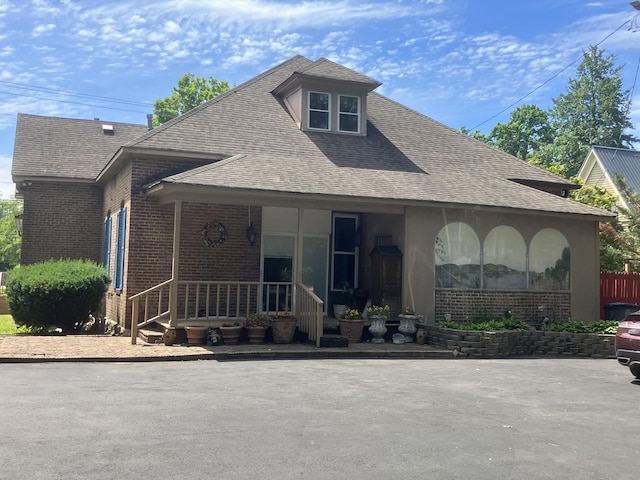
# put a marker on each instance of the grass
(7, 325)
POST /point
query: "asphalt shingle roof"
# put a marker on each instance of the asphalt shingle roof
(66, 147)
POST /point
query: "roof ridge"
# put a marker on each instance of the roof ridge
(71, 119)
(151, 133)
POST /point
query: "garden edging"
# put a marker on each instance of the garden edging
(473, 343)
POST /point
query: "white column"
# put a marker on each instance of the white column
(173, 295)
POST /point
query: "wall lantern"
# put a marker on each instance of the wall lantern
(251, 234)
(19, 224)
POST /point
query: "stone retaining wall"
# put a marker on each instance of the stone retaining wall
(530, 342)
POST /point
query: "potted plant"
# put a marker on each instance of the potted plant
(195, 334)
(378, 316)
(341, 300)
(351, 325)
(231, 332)
(256, 326)
(283, 327)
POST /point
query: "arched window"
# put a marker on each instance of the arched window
(549, 261)
(504, 260)
(457, 257)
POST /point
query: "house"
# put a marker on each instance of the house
(298, 183)
(602, 164)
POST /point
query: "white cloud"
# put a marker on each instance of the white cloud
(40, 29)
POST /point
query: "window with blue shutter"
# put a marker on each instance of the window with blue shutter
(121, 233)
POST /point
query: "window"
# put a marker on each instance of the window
(319, 110)
(106, 243)
(345, 252)
(349, 120)
(457, 257)
(121, 236)
(504, 264)
(549, 261)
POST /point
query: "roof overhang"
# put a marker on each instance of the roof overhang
(126, 153)
(169, 192)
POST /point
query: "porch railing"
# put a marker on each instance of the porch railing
(309, 312)
(206, 302)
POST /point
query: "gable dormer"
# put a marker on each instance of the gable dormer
(327, 97)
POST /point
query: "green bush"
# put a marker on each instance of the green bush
(576, 326)
(488, 325)
(57, 293)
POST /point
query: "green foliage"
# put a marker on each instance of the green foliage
(505, 323)
(9, 239)
(593, 111)
(57, 293)
(527, 132)
(576, 326)
(190, 92)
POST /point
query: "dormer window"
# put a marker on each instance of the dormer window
(349, 115)
(319, 114)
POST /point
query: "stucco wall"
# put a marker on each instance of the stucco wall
(422, 225)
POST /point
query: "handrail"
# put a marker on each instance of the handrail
(146, 318)
(309, 311)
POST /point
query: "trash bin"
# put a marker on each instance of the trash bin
(619, 310)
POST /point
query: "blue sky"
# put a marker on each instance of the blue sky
(460, 62)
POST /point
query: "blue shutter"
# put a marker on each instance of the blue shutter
(121, 232)
(106, 245)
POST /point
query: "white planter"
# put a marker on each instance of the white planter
(339, 310)
(408, 326)
(378, 328)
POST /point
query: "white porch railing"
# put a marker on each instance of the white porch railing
(209, 302)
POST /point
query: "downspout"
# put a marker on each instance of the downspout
(173, 293)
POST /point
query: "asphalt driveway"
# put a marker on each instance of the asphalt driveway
(320, 419)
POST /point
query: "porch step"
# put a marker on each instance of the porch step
(150, 336)
(334, 341)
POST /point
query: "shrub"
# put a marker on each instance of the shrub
(488, 325)
(576, 326)
(57, 293)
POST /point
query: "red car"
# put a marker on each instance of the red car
(628, 343)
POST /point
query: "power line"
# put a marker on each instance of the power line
(547, 81)
(73, 103)
(72, 93)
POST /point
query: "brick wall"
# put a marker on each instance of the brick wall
(61, 220)
(149, 248)
(530, 307)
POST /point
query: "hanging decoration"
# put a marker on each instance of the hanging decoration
(214, 233)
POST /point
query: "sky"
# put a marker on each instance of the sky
(463, 63)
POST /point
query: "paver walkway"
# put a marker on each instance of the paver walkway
(52, 348)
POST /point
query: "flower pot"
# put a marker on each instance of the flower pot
(195, 334)
(378, 328)
(352, 329)
(169, 336)
(231, 335)
(256, 333)
(408, 326)
(283, 329)
(338, 310)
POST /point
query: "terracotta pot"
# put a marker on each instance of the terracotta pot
(256, 333)
(352, 329)
(283, 329)
(231, 335)
(195, 334)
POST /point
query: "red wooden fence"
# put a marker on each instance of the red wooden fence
(619, 287)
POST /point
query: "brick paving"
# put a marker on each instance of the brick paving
(95, 348)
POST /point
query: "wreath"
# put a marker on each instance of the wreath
(213, 227)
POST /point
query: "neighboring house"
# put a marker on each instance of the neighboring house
(602, 164)
(295, 184)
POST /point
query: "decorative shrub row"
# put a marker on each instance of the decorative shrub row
(57, 293)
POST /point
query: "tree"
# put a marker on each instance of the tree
(476, 134)
(190, 92)
(526, 133)
(9, 239)
(593, 111)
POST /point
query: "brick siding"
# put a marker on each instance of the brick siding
(528, 306)
(61, 220)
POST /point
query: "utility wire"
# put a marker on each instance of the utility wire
(74, 103)
(72, 94)
(547, 81)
